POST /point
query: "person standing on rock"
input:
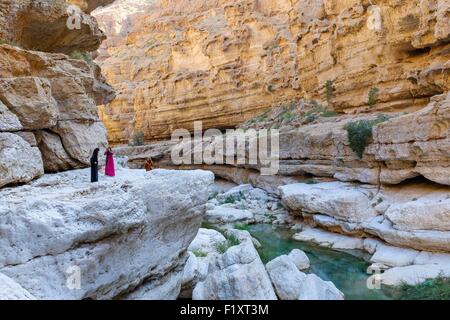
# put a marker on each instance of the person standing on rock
(109, 169)
(148, 166)
(94, 165)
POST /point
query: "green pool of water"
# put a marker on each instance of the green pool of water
(347, 270)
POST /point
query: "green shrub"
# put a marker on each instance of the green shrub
(231, 241)
(319, 111)
(241, 226)
(275, 126)
(233, 198)
(78, 55)
(11, 43)
(360, 133)
(288, 116)
(199, 253)
(310, 118)
(372, 96)
(270, 88)
(329, 114)
(138, 139)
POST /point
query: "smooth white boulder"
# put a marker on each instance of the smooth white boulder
(114, 234)
(393, 256)
(285, 277)
(195, 270)
(414, 274)
(300, 259)
(238, 274)
(226, 214)
(292, 284)
(337, 199)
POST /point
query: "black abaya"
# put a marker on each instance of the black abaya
(94, 166)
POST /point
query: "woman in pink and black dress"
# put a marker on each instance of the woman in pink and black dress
(109, 169)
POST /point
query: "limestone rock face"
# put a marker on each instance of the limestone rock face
(48, 26)
(19, 161)
(116, 235)
(337, 199)
(416, 144)
(56, 97)
(55, 156)
(412, 215)
(285, 277)
(222, 62)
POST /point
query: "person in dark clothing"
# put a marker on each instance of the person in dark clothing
(94, 165)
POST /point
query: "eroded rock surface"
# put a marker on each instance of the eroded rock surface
(19, 161)
(292, 284)
(238, 274)
(411, 215)
(49, 99)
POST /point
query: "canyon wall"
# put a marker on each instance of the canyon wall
(49, 90)
(223, 62)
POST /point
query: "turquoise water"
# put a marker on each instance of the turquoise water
(347, 270)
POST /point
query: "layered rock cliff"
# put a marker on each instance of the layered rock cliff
(48, 100)
(222, 62)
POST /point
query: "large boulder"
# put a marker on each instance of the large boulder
(286, 277)
(413, 275)
(238, 274)
(412, 215)
(11, 290)
(336, 199)
(19, 161)
(56, 97)
(54, 155)
(300, 259)
(8, 120)
(80, 138)
(292, 284)
(206, 242)
(227, 214)
(65, 238)
(31, 100)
